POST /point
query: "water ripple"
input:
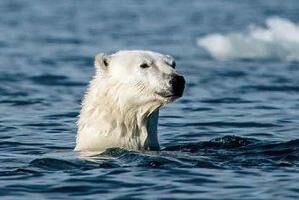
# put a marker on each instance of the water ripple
(54, 80)
(225, 124)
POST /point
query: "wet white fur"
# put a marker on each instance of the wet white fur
(121, 105)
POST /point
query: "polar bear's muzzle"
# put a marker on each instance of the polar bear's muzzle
(176, 88)
(177, 83)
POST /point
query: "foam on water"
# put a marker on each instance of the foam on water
(278, 40)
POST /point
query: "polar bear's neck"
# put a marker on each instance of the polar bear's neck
(105, 122)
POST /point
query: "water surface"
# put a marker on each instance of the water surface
(234, 134)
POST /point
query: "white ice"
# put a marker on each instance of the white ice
(279, 39)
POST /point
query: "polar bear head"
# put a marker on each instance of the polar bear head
(140, 77)
(121, 105)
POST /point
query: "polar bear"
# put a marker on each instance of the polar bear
(121, 105)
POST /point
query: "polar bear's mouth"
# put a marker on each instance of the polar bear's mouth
(167, 95)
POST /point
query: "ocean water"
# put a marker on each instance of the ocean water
(234, 134)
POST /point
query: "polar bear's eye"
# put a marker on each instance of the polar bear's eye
(144, 65)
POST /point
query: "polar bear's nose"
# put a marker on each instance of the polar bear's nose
(177, 83)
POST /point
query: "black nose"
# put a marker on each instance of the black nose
(178, 85)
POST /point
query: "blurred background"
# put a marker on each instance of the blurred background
(240, 61)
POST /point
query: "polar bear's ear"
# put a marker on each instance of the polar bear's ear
(101, 61)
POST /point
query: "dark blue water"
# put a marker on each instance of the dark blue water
(234, 134)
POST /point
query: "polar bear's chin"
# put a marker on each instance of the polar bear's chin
(172, 98)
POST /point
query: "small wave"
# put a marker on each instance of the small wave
(249, 124)
(226, 142)
(222, 152)
(54, 80)
(22, 102)
(278, 40)
(59, 40)
(59, 164)
(225, 100)
(53, 164)
(139, 159)
(233, 151)
(272, 88)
